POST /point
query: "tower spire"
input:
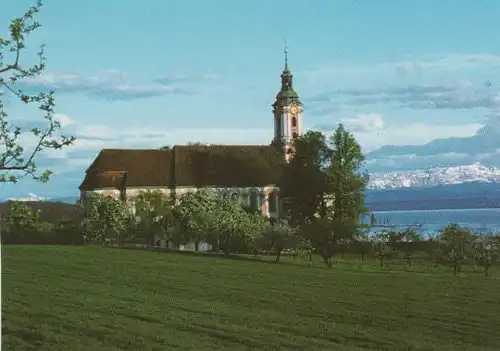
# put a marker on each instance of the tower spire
(286, 56)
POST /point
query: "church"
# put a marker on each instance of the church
(248, 173)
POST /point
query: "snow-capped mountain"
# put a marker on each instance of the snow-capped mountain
(435, 176)
(30, 197)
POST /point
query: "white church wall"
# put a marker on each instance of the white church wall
(130, 192)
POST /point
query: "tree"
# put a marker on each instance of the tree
(304, 183)
(455, 244)
(324, 190)
(406, 242)
(277, 238)
(22, 216)
(154, 211)
(24, 226)
(22, 223)
(304, 247)
(69, 231)
(196, 214)
(327, 236)
(361, 244)
(105, 219)
(348, 183)
(15, 161)
(237, 230)
(485, 251)
(382, 247)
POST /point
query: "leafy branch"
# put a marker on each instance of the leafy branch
(13, 157)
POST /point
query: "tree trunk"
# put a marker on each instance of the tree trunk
(278, 256)
(455, 269)
(408, 260)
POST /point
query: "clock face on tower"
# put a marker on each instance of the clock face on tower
(293, 110)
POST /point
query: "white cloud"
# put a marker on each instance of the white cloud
(371, 131)
(63, 119)
(412, 134)
(96, 131)
(364, 123)
(109, 84)
(411, 65)
(102, 136)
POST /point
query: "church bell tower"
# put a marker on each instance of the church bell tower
(287, 110)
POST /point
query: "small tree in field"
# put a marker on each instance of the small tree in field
(406, 241)
(361, 245)
(154, 211)
(196, 215)
(485, 251)
(105, 219)
(304, 248)
(22, 223)
(238, 230)
(327, 235)
(277, 238)
(455, 244)
(15, 160)
(383, 248)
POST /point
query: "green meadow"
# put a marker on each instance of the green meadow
(96, 298)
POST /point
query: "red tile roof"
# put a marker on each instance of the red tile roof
(185, 165)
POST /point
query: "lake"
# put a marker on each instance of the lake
(479, 220)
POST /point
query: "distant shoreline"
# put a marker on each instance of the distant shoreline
(434, 204)
(440, 210)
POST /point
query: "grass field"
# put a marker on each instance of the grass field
(90, 298)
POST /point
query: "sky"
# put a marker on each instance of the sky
(416, 82)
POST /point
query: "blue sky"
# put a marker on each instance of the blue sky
(416, 82)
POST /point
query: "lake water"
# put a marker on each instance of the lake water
(431, 221)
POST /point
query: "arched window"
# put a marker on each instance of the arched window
(294, 122)
(254, 200)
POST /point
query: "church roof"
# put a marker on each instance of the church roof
(185, 165)
(137, 166)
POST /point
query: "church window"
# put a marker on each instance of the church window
(294, 122)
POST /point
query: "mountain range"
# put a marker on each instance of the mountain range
(457, 187)
(474, 173)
